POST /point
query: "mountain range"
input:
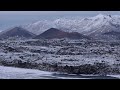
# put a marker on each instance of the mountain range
(98, 27)
(91, 26)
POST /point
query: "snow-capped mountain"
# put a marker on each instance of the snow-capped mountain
(60, 23)
(92, 25)
(38, 27)
(88, 26)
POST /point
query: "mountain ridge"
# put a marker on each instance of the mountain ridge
(94, 27)
(87, 26)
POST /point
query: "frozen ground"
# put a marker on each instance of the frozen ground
(62, 55)
(21, 73)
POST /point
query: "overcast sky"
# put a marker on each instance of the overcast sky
(47, 13)
(11, 18)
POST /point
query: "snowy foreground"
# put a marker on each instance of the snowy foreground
(62, 55)
(21, 73)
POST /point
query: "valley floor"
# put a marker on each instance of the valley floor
(21, 73)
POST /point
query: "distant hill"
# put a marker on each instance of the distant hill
(16, 32)
(53, 33)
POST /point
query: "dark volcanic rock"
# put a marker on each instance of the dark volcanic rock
(113, 34)
(56, 33)
(16, 32)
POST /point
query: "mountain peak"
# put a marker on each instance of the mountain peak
(103, 16)
(98, 24)
(100, 15)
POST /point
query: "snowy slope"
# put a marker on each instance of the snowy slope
(89, 25)
(60, 23)
(98, 24)
(38, 27)
(21, 73)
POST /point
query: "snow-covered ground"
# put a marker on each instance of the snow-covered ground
(54, 55)
(21, 73)
(117, 76)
